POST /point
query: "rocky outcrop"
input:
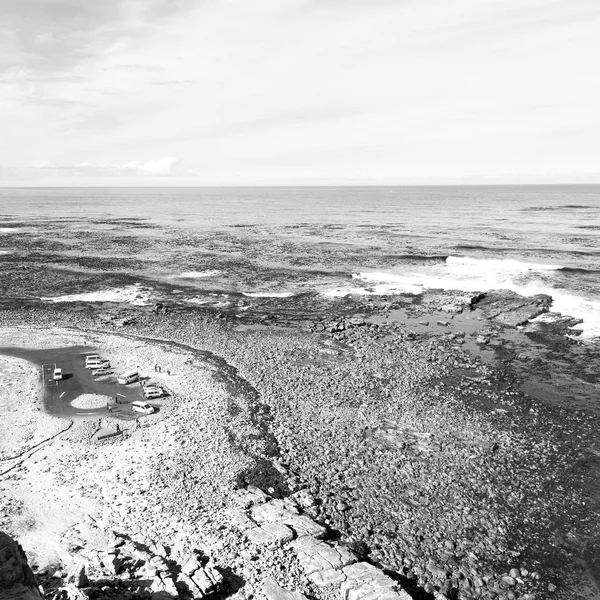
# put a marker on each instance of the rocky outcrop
(326, 564)
(16, 578)
(511, 309)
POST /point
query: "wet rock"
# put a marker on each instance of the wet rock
(511, 309)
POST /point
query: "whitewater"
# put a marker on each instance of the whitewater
(210, 246)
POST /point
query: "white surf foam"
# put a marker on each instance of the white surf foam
(200, 301)
(481, 275)
(132, 294)
(198, 274)
(268, 294)
(498, 265)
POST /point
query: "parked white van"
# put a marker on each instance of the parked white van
(97, 364)
(91, 358)
(142, 407)
(128, 377)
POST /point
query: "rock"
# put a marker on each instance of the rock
(208, 580)
(327, 577)
(303, 525)
(191, 565)
(239, 519)
(511, 309)
(363, 580)
(304, 498)
(280, 511)
(77, 576)
(271, 512)
(249, 496)
(315, 555)
(273, 591)
(270, 534)
(17, 581)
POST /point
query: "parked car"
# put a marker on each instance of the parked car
(129, 377)
(142, 407)
(97, 364)
(153, 391)
(101, 371)
(57, 374)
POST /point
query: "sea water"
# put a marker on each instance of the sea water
(284, 241)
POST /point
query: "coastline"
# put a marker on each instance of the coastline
(413, 446)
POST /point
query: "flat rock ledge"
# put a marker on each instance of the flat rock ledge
(275, 522)
(138, 567)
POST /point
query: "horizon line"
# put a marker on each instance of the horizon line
(337, 185)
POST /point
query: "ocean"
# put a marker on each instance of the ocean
(211, 246)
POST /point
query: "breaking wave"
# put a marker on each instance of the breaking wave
(198, 274)
(131, 294)
(481, 275)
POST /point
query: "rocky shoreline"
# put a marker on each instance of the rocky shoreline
(411, 443)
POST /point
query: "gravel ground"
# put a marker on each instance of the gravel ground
(419, 454)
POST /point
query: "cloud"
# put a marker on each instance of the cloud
(160, 166)
(157, 167)
(48, 36)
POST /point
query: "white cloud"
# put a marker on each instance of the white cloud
(159, 166)
(299, 91)
(44, 38)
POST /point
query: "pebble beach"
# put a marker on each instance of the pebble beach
(419, 456)
(346, 409)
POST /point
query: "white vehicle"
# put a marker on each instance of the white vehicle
(97, 364)
(101, 371)
(128, 377)
(142, 407)
(57, 374)
(153, 391)
(91, 358)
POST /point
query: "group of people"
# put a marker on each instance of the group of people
(158, 369)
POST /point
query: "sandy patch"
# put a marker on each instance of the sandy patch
(90, 401)
(22, 421)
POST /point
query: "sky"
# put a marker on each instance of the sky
(299, 92)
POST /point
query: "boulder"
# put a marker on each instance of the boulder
(17, 581)
(204, 581)
(511, 309)
(77, 576)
